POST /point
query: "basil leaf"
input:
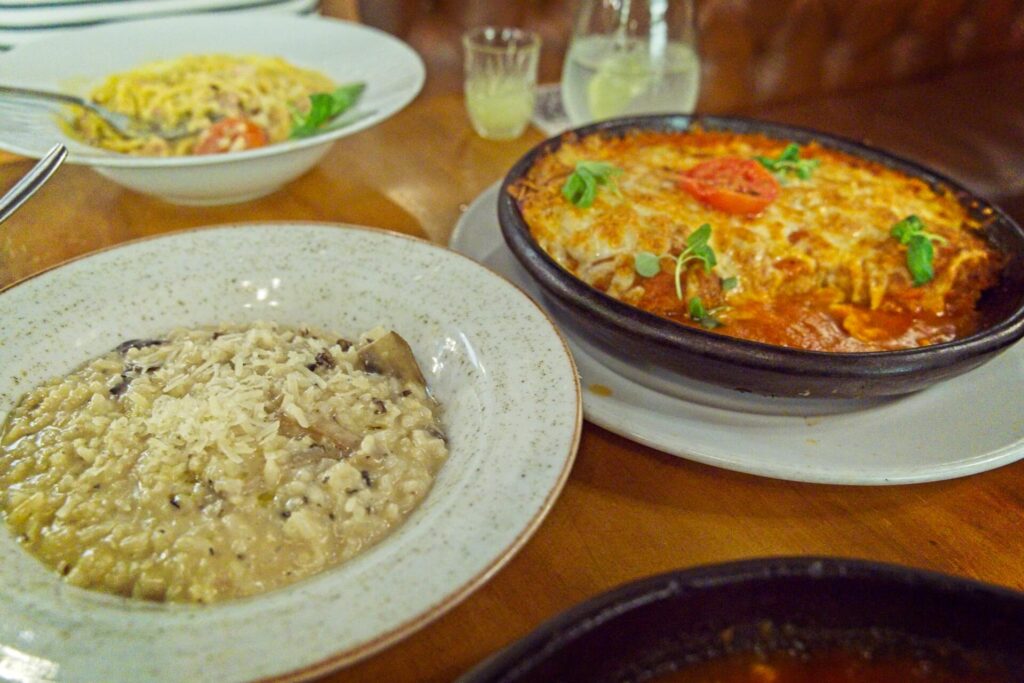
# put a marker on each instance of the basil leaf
(700, 315)
(601, 170)
(789, 162)
(647, 264)
(699, 237)
(730, 283)
(589, 192)
(706, 255)
(697, 308)
(697, 249)
(324, 107)
(580, 188)
(791, 153)
(574, 187)
(920, 255)
(805, 167)
(345, 97)
(907, 228)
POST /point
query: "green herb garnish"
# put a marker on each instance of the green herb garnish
(700, 315)
(697, 249)
(789, 162)
(580, 187)
(647, 264)
(325, 107)
(910, 232)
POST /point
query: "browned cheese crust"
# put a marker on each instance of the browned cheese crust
(817, 269)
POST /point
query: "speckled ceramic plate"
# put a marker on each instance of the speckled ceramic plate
(493, 358)
(965, 425)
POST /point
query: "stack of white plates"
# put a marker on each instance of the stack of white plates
(25, 20)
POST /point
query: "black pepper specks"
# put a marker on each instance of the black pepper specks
(378, 407)
(322, 360)
(175, 502)
(366, 478)
(285, 514)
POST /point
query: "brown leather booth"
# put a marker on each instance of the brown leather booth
(754, 51)
(941, 81)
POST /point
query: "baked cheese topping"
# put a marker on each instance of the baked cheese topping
(817, 269)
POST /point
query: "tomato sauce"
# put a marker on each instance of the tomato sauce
(822, 250)
(815, 321)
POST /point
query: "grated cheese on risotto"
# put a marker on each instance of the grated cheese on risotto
(219, 463)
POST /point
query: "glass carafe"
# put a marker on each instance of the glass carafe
(631, 57)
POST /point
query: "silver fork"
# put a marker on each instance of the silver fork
(124, 125)
(32, 181)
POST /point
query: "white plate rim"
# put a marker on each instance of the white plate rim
(49, 16)
(622, 417)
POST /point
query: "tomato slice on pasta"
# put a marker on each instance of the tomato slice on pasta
(731, 184)
(231, 135)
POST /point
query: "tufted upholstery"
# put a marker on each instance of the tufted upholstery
(754, 51)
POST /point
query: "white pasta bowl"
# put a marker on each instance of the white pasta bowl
(77, 61)
(496, 363)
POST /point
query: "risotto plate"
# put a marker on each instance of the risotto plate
(494, 360)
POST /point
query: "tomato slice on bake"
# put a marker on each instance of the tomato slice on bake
(223, 136)
(731, 184)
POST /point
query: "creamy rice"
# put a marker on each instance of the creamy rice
(218, 463)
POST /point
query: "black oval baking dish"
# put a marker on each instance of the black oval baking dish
(651, 628)
(655, 345)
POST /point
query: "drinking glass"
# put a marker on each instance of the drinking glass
(631, 57)
(501, 76)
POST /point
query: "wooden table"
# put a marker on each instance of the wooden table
(627, 511)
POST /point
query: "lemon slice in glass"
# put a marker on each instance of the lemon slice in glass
(620, 78)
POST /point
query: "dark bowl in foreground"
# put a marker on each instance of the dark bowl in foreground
(659, 625)
(648, 347)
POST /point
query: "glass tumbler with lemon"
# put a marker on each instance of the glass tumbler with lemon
(501, 76)
(631, 57)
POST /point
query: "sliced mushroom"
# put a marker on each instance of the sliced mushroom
(391, 355)
(323, 430)
(125, 346)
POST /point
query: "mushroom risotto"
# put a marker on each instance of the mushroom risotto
(219, 463)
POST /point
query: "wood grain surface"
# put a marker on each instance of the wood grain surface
(627, 511)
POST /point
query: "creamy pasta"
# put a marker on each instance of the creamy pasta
(227, 103)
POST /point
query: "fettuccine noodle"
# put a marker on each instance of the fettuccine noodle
(199, 91)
